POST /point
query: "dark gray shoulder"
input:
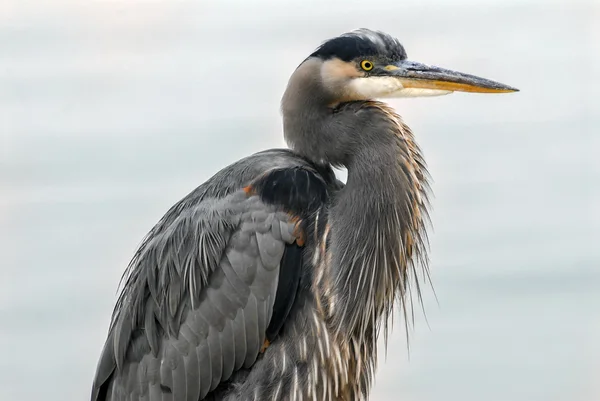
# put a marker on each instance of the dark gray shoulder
(242, 173)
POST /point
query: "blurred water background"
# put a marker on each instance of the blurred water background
(111, 111)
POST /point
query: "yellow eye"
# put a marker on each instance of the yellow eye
(366, 65)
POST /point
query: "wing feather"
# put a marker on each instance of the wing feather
(166, 369)
(179, 374)
(239, 330)
(228, 349)
(252, 335)
(154, 393)
(216, 357)
(203, 290)
(206, 369)
(192, 371)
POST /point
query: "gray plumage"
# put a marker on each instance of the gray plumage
(170, 322)
(273, 280)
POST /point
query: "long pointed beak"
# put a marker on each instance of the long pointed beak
(422, 76)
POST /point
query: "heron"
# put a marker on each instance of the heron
(273, 280)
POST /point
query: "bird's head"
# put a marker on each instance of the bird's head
(355, 67)
(365, 64)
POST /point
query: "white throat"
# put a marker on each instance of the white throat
(388, 87)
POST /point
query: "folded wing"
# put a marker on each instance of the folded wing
(205, 291)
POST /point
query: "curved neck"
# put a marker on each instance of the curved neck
(378, 226)
(377, 222)
(312, 126)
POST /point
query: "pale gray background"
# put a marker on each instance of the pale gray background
(111, 111)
